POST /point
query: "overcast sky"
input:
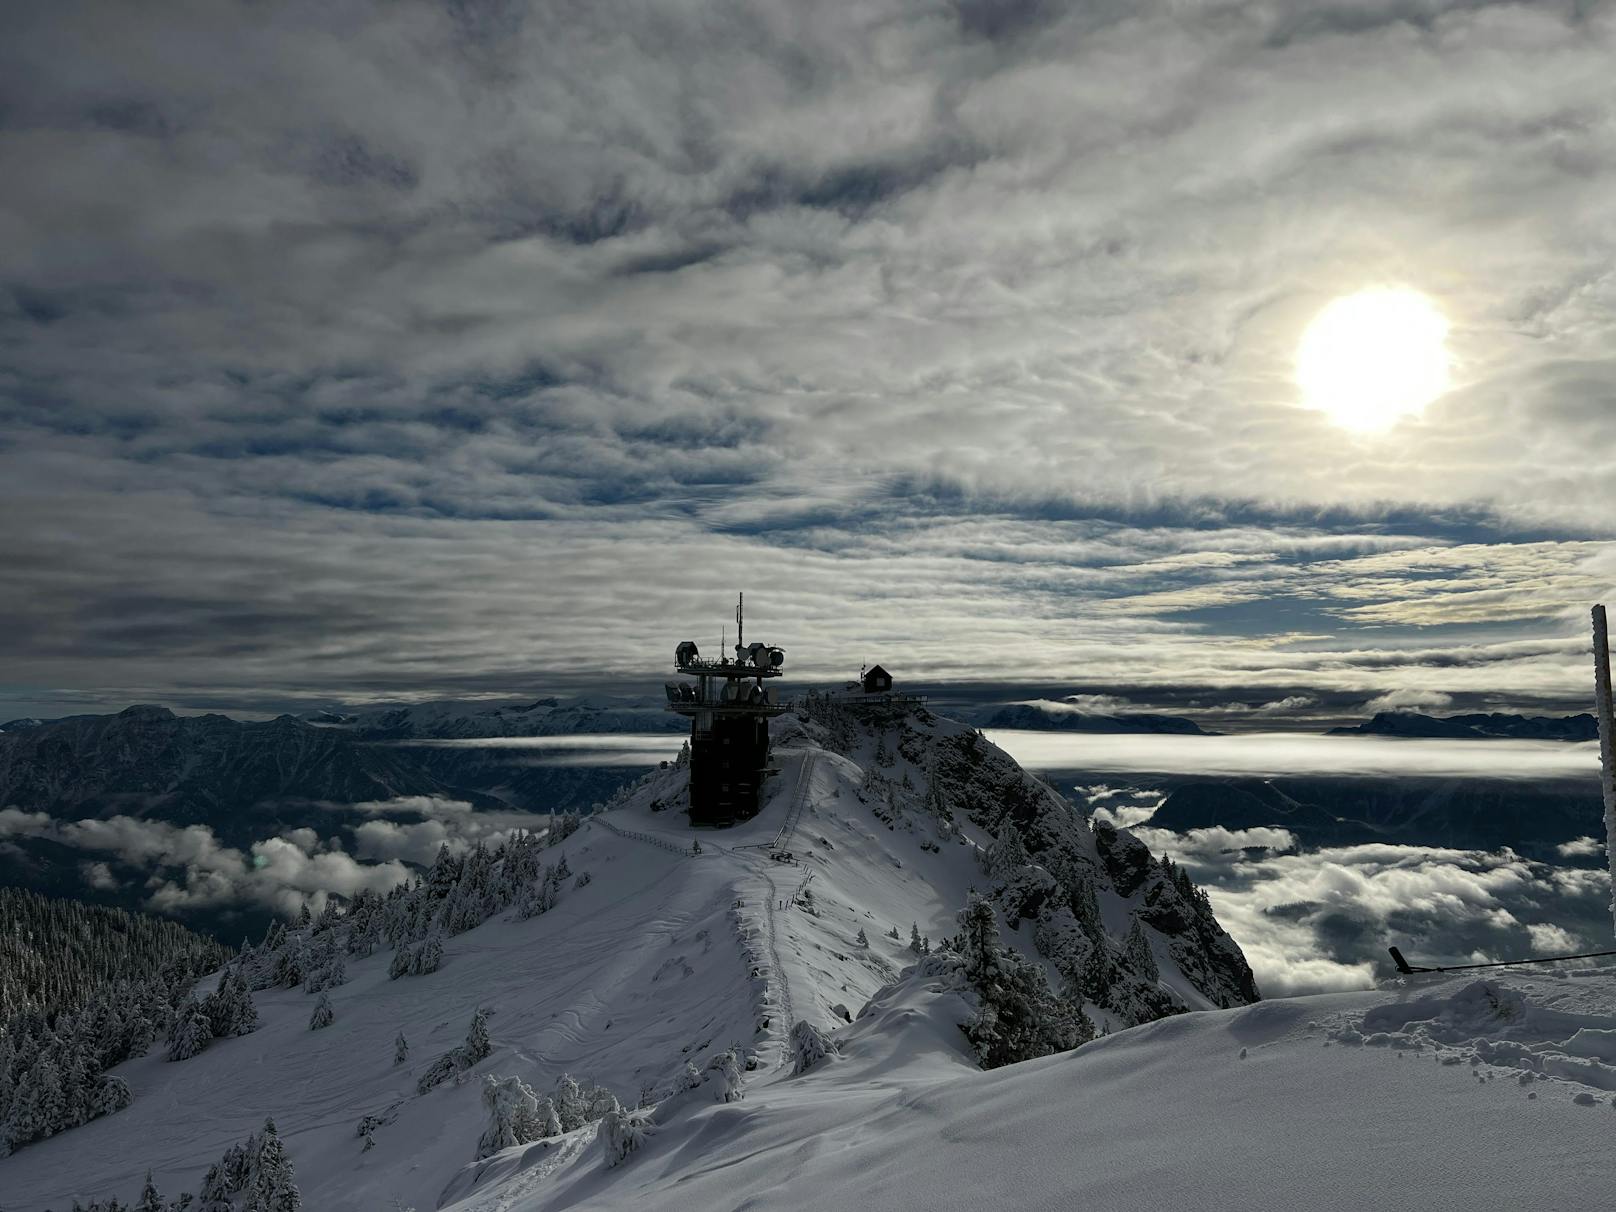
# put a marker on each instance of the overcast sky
(352, 352)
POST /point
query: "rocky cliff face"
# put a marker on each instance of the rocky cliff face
(1107, 915)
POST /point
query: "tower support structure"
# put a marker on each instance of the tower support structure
(729, 710)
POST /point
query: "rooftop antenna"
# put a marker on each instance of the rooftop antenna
(1607, 737)
(740, 629)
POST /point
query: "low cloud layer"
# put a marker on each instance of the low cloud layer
(186, 868)
(1312, 921)
(1276, 754)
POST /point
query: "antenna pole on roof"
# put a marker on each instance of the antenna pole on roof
(740, 628)
(1607, 738)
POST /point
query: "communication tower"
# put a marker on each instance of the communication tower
(729, 710)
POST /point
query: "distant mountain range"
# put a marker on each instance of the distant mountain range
(251, 780)
(1477, 726)
(209, 769)
(452, 720)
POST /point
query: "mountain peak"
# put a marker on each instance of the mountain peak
(146, 711)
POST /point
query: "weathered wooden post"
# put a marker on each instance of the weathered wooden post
(1607, 742)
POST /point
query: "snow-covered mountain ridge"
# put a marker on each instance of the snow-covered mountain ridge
(645, 977)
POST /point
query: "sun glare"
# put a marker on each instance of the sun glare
(1372, 358)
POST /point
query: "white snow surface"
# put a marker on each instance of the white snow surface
(1442, 1092)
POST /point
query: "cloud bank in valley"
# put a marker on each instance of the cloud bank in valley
(186, 868)
(1314, 920)
(509, 338)
(1275, 754)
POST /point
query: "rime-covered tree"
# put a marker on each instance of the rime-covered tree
(515, 1116)
(273, 1186)
(477, 1043)
(1008, 854)
(192, 1032)
(1137, 955)
(622, 1133)
(459, 1059)
(1018, 1017)
(323, 1015)
(570, 1107)
(151, 1200)
(401, 1049)
(725, 1068)
(809, 1046)
(229, 1008)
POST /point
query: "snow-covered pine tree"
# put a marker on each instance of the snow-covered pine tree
(1008, 854)
(726, 1069)
(1085, 905)
(273, 1187)
(430, 956)
(151, 1200)
(570, 1108)
(191, 1033)
(477, 1044)
(1099, 972)
(622, 1133)
(458, 1060)
(1018, 1017)
(1137, 955)
(914, 937)
(323, 1015)
(111, 1094)
(863, 939)
(401, 1049)
(809, 1046)
(514, 1115)
(229, 1008)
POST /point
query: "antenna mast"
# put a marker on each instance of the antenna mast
(740, 630)
(1607, 741)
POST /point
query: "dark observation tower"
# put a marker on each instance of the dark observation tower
(729, 710)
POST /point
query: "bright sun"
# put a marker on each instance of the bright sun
(1371, 358)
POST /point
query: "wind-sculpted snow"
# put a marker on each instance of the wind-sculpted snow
(1522, 1029)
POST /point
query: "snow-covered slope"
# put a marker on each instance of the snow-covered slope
(666, 958)
(1464, 1094)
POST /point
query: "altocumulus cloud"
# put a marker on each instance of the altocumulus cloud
(509, 332)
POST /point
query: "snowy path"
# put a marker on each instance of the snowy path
(747, 859)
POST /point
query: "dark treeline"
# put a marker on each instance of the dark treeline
(54, 954)
(84, 989)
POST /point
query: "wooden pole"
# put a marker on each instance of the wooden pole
(1607, 742)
